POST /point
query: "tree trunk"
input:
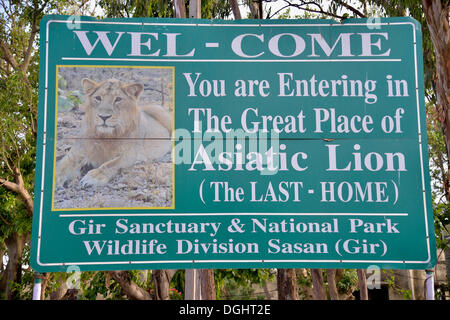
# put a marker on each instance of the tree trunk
(180, 9)
(15, 244)
(208, 286)
(363, 293)
(18, 187)
(131, 289)
(45, 278)
(2, 253)
(266, 291)
(195, 9)
(332, 288)
(260, 9)
(162, 279)
(305, 291)
(71, 294)
(235, 7)
(60, 292)
(318, 286)
(287, 284)
(447, 261)
(437, 16)
(254, 9)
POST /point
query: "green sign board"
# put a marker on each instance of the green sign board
(168, 144)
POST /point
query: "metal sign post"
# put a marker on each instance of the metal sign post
(429, 285)
(37, 287)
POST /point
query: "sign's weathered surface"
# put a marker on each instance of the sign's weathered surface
(215, 144)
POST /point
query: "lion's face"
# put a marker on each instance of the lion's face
(111, 108)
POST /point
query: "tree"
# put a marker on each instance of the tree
(434, 16)
(18, 118)
(318, 284)
(287, 284)
(437, 15)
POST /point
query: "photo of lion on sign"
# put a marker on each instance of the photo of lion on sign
(113, 144)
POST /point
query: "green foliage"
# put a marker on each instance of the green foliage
(390, 280)
(215, 9)
(285, 14)
(412, 8)
(348, 281)
(137, 8)
(23, 289)
(439, 177)
(174, 294)
(13, 216)
(441, 224)
(211, 9)
(441, 290)
(237, 283)
(19, 66)
(303, 283)
(96, 283)
(177, 281)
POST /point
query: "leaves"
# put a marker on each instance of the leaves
(211, 9)
(19, 67)
(237, 283)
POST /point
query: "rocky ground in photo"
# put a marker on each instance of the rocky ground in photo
(144, 185)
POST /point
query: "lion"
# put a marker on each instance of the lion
(116, 133)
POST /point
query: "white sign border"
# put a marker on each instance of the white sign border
(227, 214)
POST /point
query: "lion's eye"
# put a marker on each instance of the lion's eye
(118, 99)
(98, 98)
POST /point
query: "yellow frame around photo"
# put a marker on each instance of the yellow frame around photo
(56, 133)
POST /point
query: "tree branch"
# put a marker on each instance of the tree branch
(6, 222)
(5, 9)
(320, 10)
(19, 188)
(332, 288)
(131, 289)
(44, 5)
(351, 8)
(6, 158)
(279, 10)
(11, 186)
(7, 55)
(27, 57)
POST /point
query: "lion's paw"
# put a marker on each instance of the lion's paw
(95, 178)
(59, 181)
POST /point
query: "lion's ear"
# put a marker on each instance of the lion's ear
(134, 90)
(88, 85)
